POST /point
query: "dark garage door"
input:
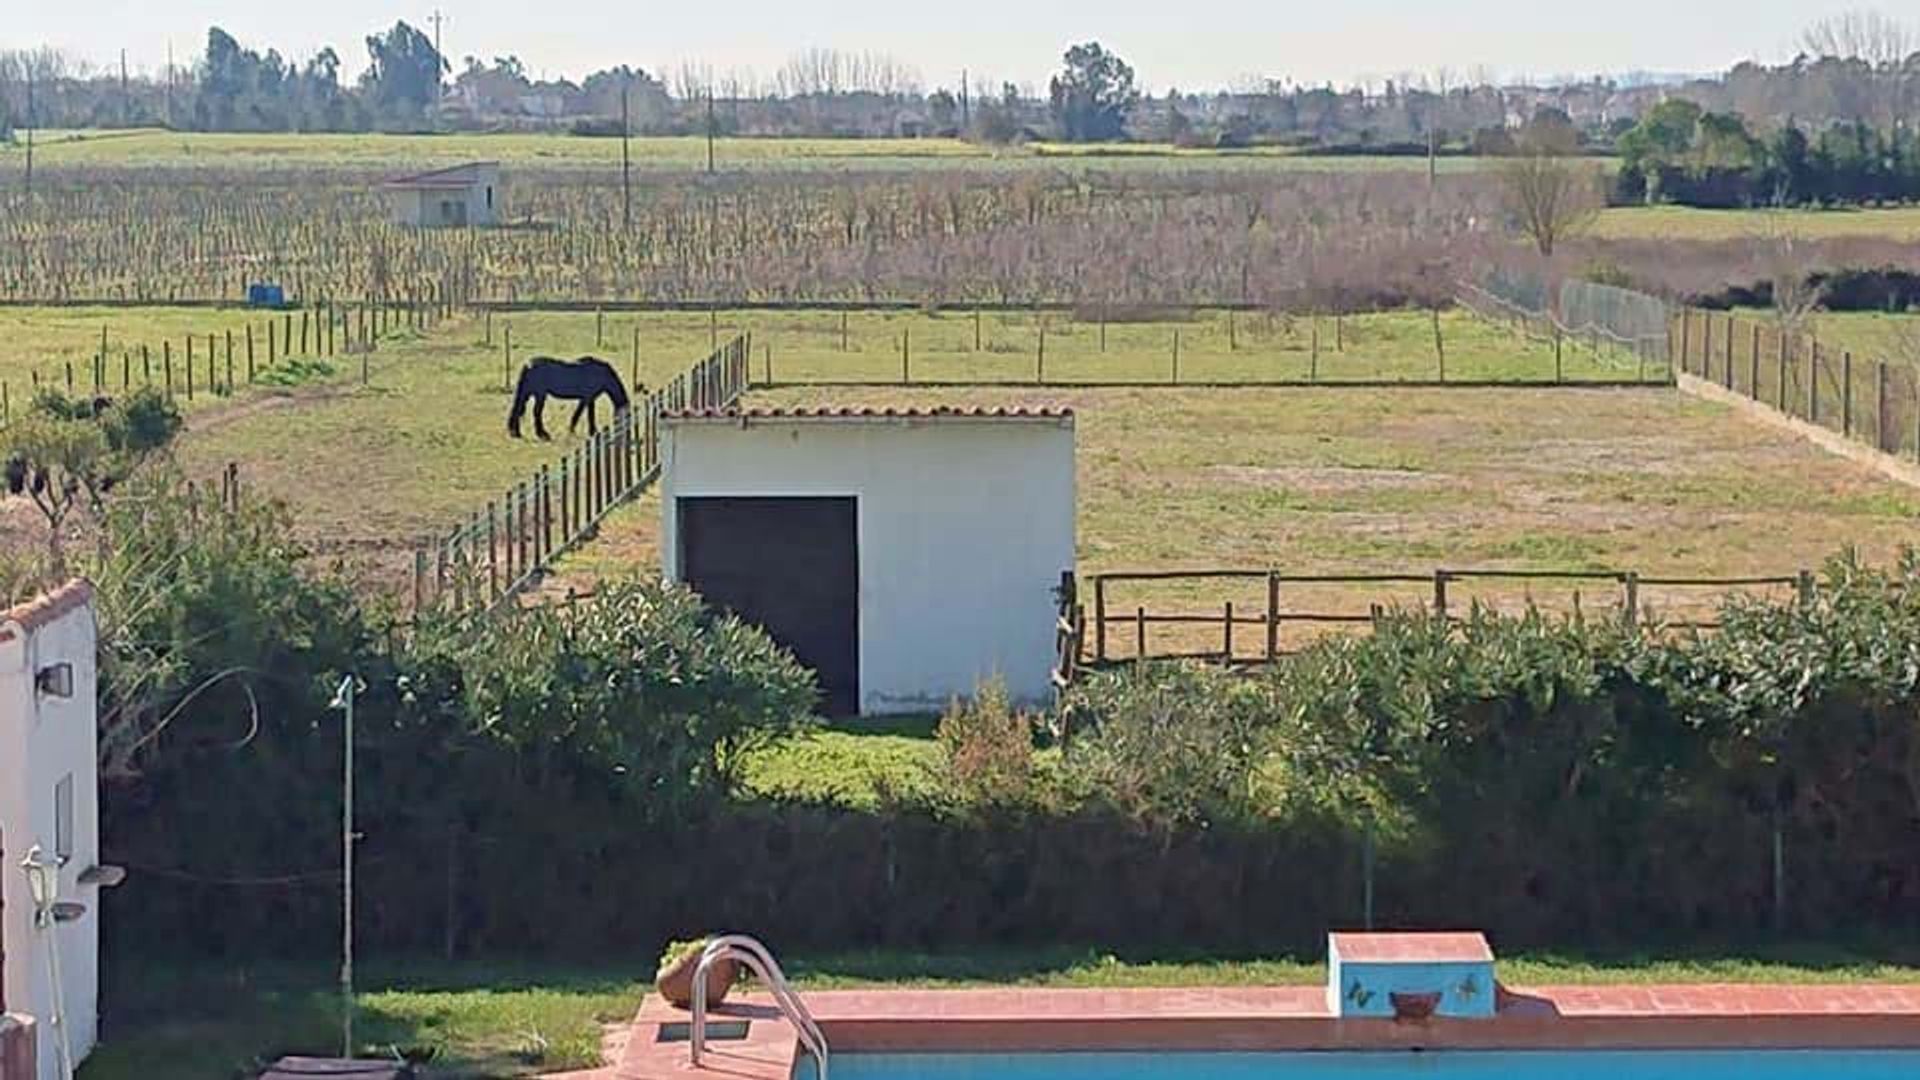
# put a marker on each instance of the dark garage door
(791, 566)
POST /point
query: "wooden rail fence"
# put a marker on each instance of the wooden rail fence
(1256, 634)
(504, 547)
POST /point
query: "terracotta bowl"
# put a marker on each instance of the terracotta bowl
(1414, 1006)
(675, 981)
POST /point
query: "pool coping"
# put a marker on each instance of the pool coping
(1276, 1019)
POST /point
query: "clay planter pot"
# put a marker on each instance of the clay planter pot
(675, 981)
(1414, 1007)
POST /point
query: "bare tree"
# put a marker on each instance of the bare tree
(1552, 197)
(1789, 270)
(1871, 36)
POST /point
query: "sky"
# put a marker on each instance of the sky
(1191, 44)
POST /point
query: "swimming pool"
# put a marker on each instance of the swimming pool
(1383, 1065)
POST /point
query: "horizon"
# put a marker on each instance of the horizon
(1216, 45)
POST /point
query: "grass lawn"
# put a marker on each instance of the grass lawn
(50, 345)
(1410, 480)
(1208, 347)
(1894, 338)
(1689, 223)
(214, 1021)
(369, 470)
(151, 147)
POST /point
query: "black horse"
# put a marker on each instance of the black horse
(582, 380)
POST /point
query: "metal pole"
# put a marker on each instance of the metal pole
(343, 699)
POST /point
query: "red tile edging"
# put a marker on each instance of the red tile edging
(1288, 1018)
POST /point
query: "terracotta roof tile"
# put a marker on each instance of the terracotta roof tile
(48, 606)
(863, 412)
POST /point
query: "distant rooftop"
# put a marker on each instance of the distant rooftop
(452, 177)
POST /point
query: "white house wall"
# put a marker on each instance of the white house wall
(42, 739)
(964, 529)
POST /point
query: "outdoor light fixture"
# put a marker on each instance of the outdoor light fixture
(43, 884)
(55, 680)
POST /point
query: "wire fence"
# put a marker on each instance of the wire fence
(506, 546)
(1599, 321)
(1872, 402)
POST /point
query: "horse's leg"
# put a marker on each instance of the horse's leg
(540, 418)
(585, 408)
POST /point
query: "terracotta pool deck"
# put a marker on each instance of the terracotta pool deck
(1277, 1019)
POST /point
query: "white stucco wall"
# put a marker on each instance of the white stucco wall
(42, 739)
(965, 526)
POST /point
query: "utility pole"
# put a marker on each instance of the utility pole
(966, 109)
(626, 158)
(709, 129)
(166, 121)
(29, 72)
(126, 105)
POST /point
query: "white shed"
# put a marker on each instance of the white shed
(905, 555)
(458, 197)
(49, 801)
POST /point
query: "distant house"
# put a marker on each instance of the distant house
(459, 197)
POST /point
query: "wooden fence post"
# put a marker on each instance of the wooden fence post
(1706, 345)
(1630, 586)
(1753, 366)
(1813, 383)
(1439, 346)
(1140, 633)
(1846, 393)
(1440, 593)
(1226, 654)
(1040, 356)
(1176, 356)
(506, 358)
(1099, 619)
(493, 554)
(1273, 616)
(520, 507)
(906, 353)
(1880, 405)
(1728, 347)
(1313, 354)
(1780, 391)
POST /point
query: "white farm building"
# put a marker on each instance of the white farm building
(905, 555)
(458, 197)
(50, 874)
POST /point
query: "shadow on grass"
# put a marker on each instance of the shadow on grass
(210, 1019)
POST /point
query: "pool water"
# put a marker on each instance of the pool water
(1385, 1065)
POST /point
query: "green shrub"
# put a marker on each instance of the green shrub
(1172, 745)
(642, 681)
(986, 752)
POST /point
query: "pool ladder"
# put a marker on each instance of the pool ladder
(748, 951)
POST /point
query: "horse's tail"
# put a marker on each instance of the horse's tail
(522, 393)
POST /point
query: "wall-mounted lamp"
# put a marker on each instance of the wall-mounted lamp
(55, 680)
(43, 884)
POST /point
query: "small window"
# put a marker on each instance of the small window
(63, 819)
